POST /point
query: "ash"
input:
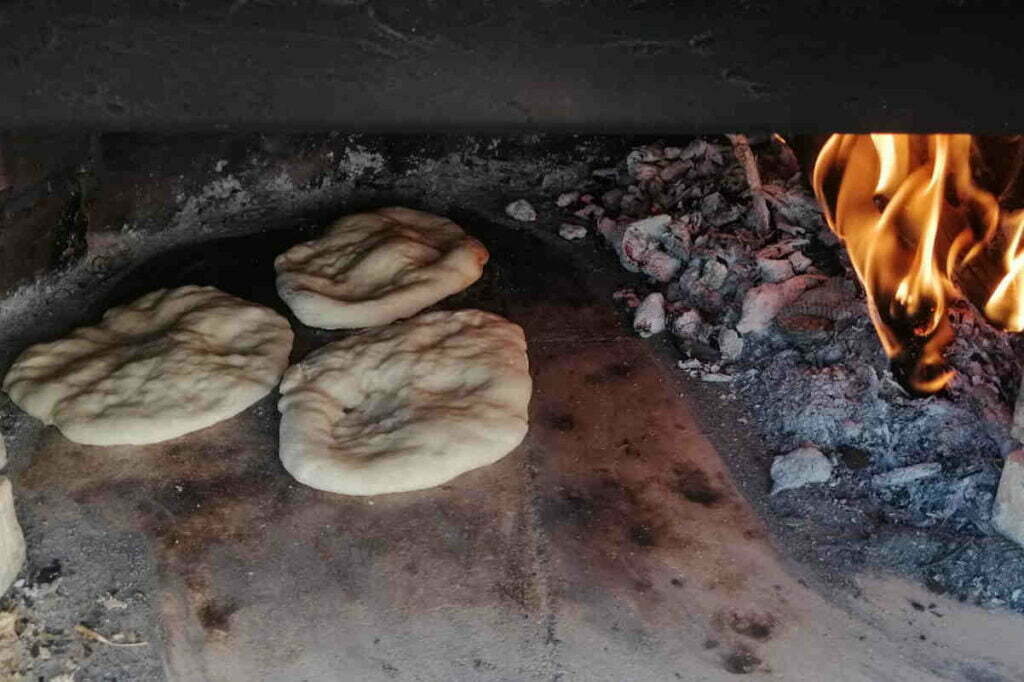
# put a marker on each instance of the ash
(761, 300)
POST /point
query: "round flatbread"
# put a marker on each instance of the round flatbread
(171, 362)
(371, 269)
(406, 407)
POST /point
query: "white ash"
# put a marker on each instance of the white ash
(110, 602)
(660, 266)
(1008, 510)
(691, 365)
(799, 261)
(714, 274)
(634, 160)
(799, 468)
(639, 238)
(906, 475)
(688, 325)
(567, 199)
(730, 343)
(763, 303)
(772, 270)
(712, 205)
(641, 246)
(708, 372)
(679, 239)
(650, 316)
(521, 210)
(589, 211)
(572, 232)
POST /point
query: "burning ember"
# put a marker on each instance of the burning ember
(921, 235)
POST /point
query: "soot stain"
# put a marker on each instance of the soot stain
(759, 626)
(562, 422)
(608, 506)
(754, 534)
(616, 527)
(694, 485)
(216, 615)
(642, 536)
(48, 573)
(187, 517)
(184, 505)
(573, 507)
(576, 506)
(481, 664)
(741, 661)
(609, 373)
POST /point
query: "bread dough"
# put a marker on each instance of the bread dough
(371, 269)
(408, 406)
(171, 362)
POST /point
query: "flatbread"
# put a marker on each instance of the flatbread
(171, 362)
(371, 269)
(406, 407)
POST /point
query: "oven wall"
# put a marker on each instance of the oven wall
(580, 65)
(97, 201)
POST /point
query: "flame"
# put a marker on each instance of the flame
(921, 234)
(1006, 304)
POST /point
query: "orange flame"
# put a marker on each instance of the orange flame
(920, 234)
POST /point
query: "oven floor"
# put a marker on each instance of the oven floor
(613, 544)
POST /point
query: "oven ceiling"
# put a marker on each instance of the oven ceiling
(457, 65)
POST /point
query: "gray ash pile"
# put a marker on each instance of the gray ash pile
(735, 261)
